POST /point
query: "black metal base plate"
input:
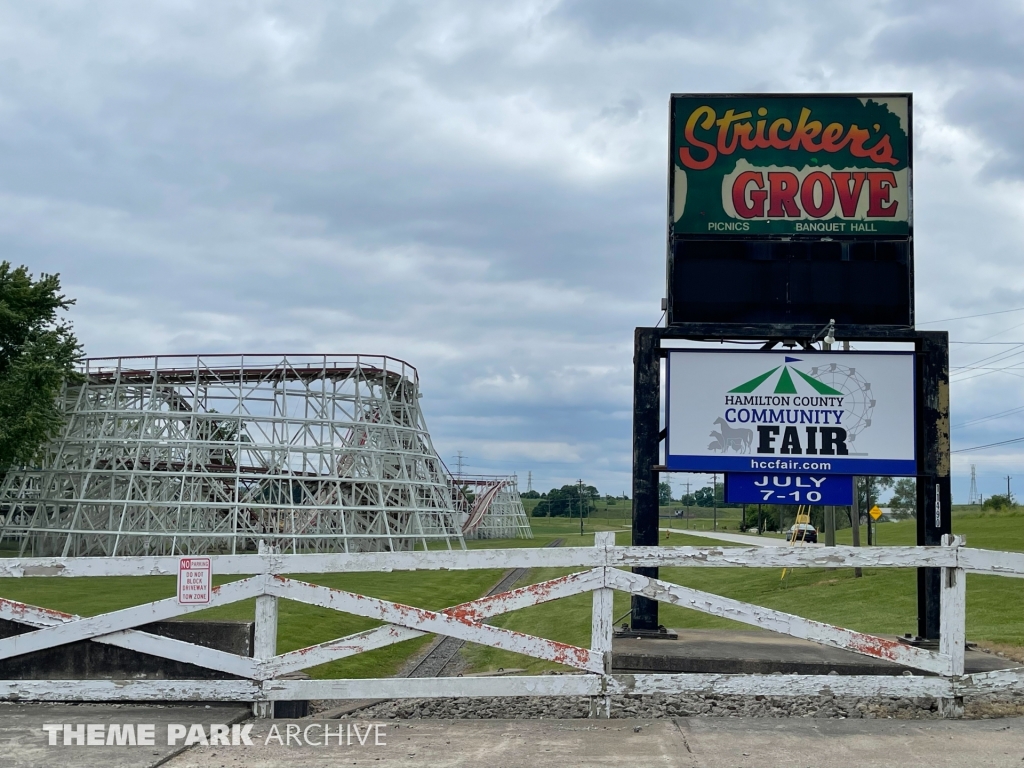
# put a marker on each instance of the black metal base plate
(649, 634)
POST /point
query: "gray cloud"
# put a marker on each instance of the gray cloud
(978, 48)
(477, 189)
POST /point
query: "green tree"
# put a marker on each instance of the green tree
(869, 489)
(998, 501)
(904, 497)
(664, 494)
(37, 355)
(705, 497)
(567, 501)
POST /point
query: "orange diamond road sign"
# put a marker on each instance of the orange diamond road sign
(875, 512)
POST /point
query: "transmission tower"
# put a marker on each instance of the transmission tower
(529, 481)
(459, 459)
(972, 497)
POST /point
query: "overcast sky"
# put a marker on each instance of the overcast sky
(477, 188)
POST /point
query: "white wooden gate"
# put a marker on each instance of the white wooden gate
(600, 571)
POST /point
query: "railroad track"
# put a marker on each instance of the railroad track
(435, 661)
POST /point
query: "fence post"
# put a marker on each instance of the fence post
(602, 627)
(953, 626)
(265, 635)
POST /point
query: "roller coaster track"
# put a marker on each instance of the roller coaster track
(446, 649)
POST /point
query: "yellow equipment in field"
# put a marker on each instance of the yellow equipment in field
(803, 517)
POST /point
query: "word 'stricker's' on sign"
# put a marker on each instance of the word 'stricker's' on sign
(790, 209)
(820, 413)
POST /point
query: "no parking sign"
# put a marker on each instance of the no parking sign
(194, 580)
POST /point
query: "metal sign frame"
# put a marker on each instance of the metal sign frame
(932, 441)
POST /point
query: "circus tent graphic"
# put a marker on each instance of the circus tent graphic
(784, 381)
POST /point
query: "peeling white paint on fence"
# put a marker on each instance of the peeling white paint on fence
(105, 623)
(1000, 681)
(598, 570)
(129, 690)
(785, 685)
(143, 642)
(343, 647)
(991, 562)
(784, 623)
(528, 557)
(434, 621)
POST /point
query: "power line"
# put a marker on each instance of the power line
(1015, 367)
(989, 417)
(1004, 354)
(1009, 369)
(989, 445)
(968, 317)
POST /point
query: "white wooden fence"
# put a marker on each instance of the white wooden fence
(263, 676)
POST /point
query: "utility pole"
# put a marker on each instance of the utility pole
(686, 523)
(714, 497)
(580, 496)
(867, 503)
(855, 521)
(830, 511)
(1008, 494)
(855, 509)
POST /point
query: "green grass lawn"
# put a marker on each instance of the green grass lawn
(883, 601)
(620, 512)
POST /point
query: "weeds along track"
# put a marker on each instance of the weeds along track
(437, 659)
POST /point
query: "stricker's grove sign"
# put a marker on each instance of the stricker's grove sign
(827, 413)
(793, 164)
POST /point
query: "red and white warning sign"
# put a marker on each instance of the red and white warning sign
(194, 580)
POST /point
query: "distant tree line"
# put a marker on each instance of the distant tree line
(567, 501)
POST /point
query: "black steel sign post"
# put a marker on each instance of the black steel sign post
(789, 215)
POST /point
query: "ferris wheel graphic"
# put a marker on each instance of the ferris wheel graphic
(859, 401)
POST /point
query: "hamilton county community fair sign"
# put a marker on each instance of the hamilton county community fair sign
(849, 413)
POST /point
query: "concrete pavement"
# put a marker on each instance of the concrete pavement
(686, 742)
(24, 743)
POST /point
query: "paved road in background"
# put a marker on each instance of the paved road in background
(737, 538)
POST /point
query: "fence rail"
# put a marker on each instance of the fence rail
(599, 570)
